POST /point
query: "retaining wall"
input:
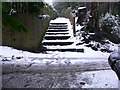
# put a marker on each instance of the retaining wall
(30, 40)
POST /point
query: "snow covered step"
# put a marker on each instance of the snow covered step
(59, 23)
(57, 43)
(63, 47)
(56, 33)
(57, 27)
(59, 30)
(64, 50)
(55, 37)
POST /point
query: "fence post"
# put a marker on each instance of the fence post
(74, 28)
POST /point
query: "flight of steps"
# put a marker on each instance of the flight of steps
(57, 38)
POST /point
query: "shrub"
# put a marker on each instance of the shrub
(110, 26)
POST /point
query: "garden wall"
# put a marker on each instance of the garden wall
(30, 40)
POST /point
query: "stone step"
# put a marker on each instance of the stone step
(56, 33)
(52, 30)
(59, 23)
(57, 28)
(55, 37)
(57, 43)
(64, 50)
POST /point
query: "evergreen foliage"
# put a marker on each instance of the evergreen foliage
(35, 7)
(110, 26)
(10, 21)
(13, 23)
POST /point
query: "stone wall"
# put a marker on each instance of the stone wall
(30, 40)
(68, 14)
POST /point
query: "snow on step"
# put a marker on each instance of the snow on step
(59, 34)
(58, 23)
(54, 37)
(57, 27)
(58, 43)
(60, 30)
(64, 50)
(63, 47)
(56, 33)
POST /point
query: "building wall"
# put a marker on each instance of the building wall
(30, 40)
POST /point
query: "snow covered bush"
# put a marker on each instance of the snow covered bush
(110, 26)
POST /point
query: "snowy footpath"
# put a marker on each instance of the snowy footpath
(53, 69)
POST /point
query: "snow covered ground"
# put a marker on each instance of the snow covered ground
(23, 69)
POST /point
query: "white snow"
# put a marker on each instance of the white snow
(101, 79)
(44, 16)
(82, 8)
(56, 35)
(9, 52)
(88, 52)
(57, 41)
(50, 2)
(61, 20)
(95, 79)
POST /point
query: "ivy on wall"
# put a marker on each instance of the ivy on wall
(9, 9)
(9, 21)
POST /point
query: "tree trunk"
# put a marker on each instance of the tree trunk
(95, 17)
(108, 7)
